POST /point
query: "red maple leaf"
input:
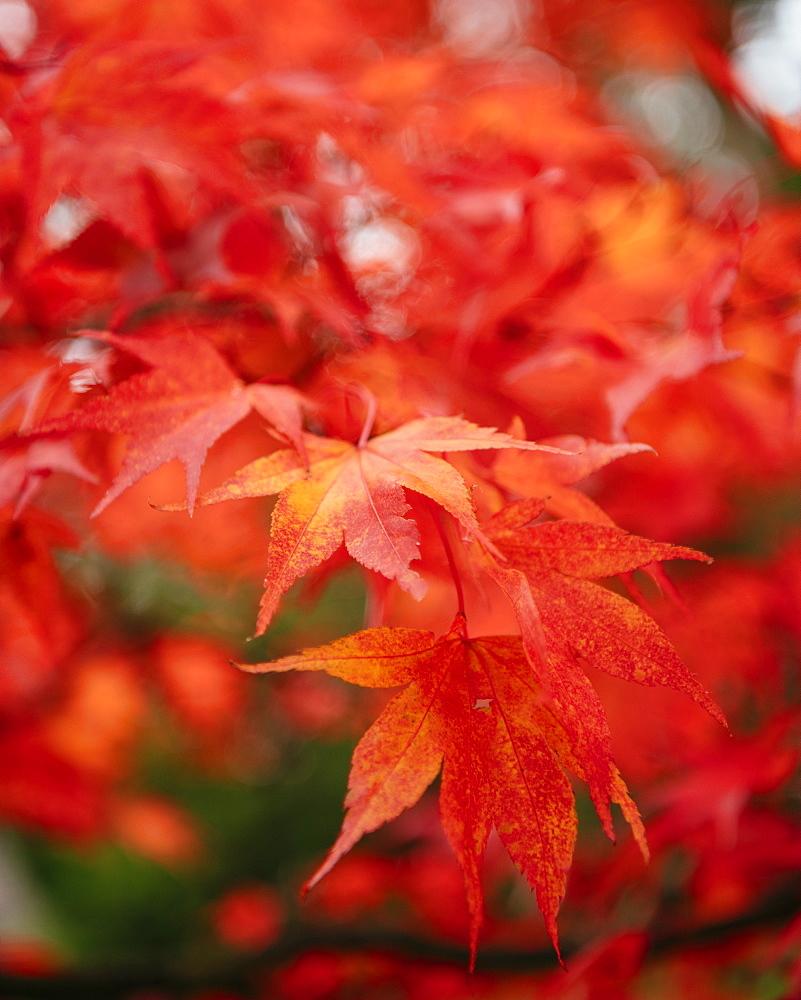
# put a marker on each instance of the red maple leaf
(554, 476)
(114, 125)
(178, 409)
(25, 464)
(559, 559)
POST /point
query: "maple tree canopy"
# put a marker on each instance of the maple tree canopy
(428, 307)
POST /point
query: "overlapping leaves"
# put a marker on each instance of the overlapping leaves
(354, 493)
(177, 409)
(504, 730)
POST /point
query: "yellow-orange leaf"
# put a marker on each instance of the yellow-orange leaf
(354, 493)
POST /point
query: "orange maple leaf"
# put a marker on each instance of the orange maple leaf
(353, 493)
(475, 709)
(178, 409)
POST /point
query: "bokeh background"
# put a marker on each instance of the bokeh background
(162, 809)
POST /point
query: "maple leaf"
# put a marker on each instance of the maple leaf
(178, 409)
(354, 493)
(474, 709)
(559, 559)
(113, 124)
(554, 476)
(26, 396)
(696, 346)
(24, 465)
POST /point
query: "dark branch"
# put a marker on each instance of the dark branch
(239, 978)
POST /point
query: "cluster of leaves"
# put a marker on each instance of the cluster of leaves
(403, 275)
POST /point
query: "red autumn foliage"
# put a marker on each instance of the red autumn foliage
(434, 328)
(248, 918)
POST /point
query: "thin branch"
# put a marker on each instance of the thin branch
(436, 514)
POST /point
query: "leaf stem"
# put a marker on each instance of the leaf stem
(371, 403)
(436, 514)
